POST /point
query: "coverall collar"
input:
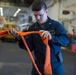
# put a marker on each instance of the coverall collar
(47, 24)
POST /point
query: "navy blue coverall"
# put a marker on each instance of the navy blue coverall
(59, 38)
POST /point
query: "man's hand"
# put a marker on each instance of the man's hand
(45, 34)
(13, 33)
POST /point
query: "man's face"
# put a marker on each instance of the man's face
(41, 16)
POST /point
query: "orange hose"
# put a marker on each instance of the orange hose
(3, 33)
(47, 66)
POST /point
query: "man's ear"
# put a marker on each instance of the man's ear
(47, 11)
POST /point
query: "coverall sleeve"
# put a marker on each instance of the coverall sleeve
(60, 37)
(29, 41)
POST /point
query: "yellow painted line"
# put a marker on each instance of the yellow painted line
(65, 48)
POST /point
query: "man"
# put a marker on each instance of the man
(49, 28)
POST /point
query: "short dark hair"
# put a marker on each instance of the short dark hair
(38, 5)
